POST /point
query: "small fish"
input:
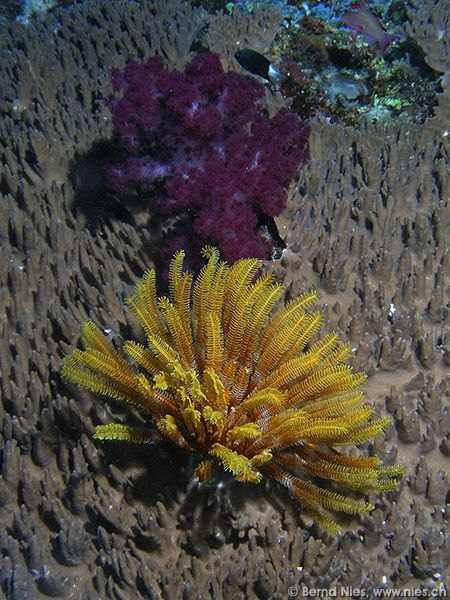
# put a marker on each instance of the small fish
(257, 64)
(363, 21)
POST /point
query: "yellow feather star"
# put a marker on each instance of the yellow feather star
(224, 375)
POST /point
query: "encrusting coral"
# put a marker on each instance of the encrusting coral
(229, 378)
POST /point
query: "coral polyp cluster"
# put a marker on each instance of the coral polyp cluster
(197, 145)
(225, 375)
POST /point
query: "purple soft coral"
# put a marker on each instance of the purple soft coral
(198, 142)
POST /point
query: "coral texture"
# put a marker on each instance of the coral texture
(245, 391)
(368, 229)
(227, 33)
(197, 142)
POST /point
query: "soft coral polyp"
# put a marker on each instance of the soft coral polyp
(198, 142)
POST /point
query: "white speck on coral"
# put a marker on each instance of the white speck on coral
(392, 310)
(286, 252)
(193, 108)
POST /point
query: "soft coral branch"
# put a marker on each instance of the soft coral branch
(198, 142)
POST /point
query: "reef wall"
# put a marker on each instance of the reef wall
(366, 226)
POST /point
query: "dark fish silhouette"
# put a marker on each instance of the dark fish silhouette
(257, 64)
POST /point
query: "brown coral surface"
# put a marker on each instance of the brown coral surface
(366, 226)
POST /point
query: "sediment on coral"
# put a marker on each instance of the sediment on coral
(367, 228)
